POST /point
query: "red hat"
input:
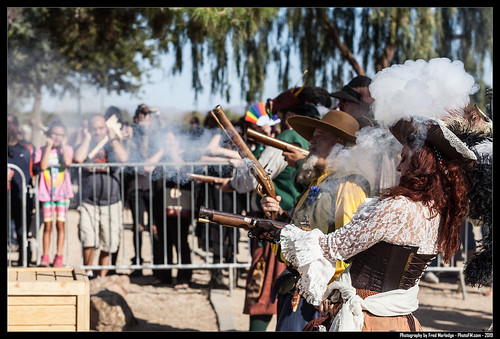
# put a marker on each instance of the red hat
(286, 99)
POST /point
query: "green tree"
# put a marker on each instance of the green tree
(60, 48)
(333, 44)
(213, 35)
(337, 43)
(112, 48)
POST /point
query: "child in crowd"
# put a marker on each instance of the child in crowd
(54, 187)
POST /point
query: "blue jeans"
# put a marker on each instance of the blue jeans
(294, 321)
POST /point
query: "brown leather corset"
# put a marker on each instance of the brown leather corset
(384, 267)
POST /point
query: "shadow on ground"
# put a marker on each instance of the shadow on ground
(444, 319)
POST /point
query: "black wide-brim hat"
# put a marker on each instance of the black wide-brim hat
(348, 93)
(338, 122)
(435, 133)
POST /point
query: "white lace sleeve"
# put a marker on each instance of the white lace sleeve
(397, 221)
(302, 250)
(394, 220)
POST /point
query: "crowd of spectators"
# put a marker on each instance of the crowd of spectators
(142, 184)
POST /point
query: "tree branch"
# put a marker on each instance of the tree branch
(386, 58)
(331, 30)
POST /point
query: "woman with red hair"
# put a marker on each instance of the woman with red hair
(391, 239)
(439, 184)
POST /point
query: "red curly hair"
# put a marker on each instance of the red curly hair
(442, 185)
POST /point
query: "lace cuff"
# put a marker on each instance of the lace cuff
(302, 250)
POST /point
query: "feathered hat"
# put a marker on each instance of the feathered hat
(257, 114)
(431, 89)
(475, 129)
(434, 132)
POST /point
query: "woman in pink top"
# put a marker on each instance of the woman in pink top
(55, 187)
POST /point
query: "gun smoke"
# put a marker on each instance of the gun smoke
(416, 88)
(177, 147)
(373, 146)
(427, 89)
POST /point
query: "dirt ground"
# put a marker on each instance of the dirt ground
(162, 308)
(441, 307)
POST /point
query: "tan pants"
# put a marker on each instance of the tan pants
(387, 324)
(100, 226)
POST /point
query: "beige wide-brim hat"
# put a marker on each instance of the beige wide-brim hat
(435, 133)
(339, 123)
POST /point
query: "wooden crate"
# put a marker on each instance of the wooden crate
(47, 299)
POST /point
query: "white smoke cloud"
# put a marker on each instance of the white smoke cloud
(415, 88)
(421, 88)
(373, 146)
(176, 144)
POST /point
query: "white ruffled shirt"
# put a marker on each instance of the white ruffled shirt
(398, 221)
(351, 318)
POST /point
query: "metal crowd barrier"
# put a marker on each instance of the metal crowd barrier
(205, 253)
(453, 266)
(24, 241)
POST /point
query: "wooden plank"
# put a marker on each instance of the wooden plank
(47, 282)
(86, 307)
(64, 275)
(82, 313)
(41, 300)
(39, 328)
(41, 315)
(45, 275)
(45, 269)
(28, 276)
(11, 275)
(46, 288)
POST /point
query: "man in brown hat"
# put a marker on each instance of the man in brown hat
(327, 203)
(354, 99)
